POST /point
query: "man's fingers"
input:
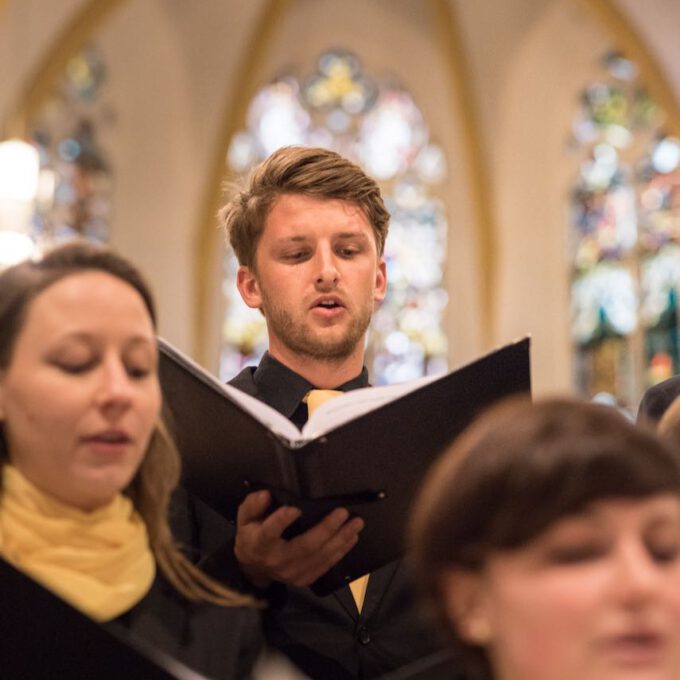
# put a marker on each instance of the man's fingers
(314, 558)
(274, 525)
(253, 507)
(315, 538)
(260, 548)
(308, 572)
(339, 545)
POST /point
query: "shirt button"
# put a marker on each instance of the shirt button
(364, 636)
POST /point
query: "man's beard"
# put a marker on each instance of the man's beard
(302, 340)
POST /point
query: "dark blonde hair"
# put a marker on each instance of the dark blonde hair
(314, 172)
(515, 472)
(158, 474)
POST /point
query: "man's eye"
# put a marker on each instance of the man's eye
(348, 252)
(296, 256)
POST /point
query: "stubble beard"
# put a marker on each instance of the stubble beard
(302, 340)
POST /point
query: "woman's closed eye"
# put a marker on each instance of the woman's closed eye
(664, 553)
(138, 372)
(75, 367)
(663, 543)
(575, 553)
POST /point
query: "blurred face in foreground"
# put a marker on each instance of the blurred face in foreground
(594, 597)
(80, 396)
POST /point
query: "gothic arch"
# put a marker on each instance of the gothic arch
(470, 272)
(532, 174)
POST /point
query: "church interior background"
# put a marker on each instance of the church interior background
(528, 150)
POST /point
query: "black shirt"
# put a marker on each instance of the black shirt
(283, 389)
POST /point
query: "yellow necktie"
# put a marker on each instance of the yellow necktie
(314, 399)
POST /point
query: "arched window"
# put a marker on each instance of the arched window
(74, 197)
(379, 125)
(625, 236)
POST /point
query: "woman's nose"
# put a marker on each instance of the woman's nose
(115, 388)
(638, 576)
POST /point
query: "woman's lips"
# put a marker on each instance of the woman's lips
(109, 441)
(635, 648)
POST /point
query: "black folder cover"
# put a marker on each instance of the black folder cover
(43, 637)
(371, 465)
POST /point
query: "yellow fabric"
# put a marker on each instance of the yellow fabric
(314, 399)
(358, 588)
(99, 562)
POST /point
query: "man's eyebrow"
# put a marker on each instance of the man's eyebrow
(292, 239)
(352, 234)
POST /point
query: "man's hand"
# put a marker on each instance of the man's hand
(264, 556)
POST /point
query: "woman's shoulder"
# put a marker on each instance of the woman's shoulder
(222, 642)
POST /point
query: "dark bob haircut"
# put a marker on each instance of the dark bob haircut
(516, 471)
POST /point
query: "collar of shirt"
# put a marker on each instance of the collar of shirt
(283, 389)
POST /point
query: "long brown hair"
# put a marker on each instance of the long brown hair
(516, 471)
(159, 472)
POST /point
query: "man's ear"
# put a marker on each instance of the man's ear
(465, 605)
(380, 281)
(248, 287)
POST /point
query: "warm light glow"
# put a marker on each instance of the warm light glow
(15, 247)
(19, 169)
(19, 173)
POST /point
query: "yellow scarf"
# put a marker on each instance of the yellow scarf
(99, 562)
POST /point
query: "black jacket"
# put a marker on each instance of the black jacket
(220, 642)
(326, 636)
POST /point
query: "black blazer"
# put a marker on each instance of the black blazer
(219, 642)
(328, 638)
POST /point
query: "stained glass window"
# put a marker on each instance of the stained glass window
(625, 235)
(74, 198)
(376, 123)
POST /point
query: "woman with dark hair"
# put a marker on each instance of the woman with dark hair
(547, 540)
(88, 469)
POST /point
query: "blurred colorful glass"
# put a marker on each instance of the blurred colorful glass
(75, 186)
(376, 123)
(625, 219)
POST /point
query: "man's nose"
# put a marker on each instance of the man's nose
(327, 270)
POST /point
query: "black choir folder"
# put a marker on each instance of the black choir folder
(42, 637)
(366, 450)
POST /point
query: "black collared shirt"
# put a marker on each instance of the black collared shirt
(283, 389)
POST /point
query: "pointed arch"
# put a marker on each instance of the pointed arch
(450, 37)
(71, 39)
(628, 40)
(208, 237)
(234, 109)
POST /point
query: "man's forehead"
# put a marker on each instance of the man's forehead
(294, 213)
(292, 202)
(303, 237)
